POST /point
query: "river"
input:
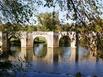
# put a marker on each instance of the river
(41, 61)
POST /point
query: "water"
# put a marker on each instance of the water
(41, 61)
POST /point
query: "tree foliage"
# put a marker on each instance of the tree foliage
(48, 21)
(87, 17)
(81, 11)
(15, 11)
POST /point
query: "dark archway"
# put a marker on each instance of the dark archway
(40, 46)
(64, 44)
(14, 46)
(64, 41)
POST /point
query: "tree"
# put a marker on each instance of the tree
(83, 13)
(15, 11)
(49, 21)
(14, 14)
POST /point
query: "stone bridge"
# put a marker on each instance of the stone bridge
(52, 38)
(27, 41)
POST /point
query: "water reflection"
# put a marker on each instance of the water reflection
(61, 52)
(15, 50)
(58, 61)
(40, 50)
(65, 51)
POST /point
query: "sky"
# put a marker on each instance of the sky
(62, 14)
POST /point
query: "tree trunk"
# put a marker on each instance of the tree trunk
(8, 45)
(77, 47)
(98, 44)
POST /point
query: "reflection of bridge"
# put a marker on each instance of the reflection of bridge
(27, 39)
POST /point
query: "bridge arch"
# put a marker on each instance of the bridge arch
(65, 41)
(37, 36)
(39, 39)
(70, 36)
(14, 45)
(15, 41)
(47, 35)
(40, 46)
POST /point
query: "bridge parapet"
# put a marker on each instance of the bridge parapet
(23, 39)
(39, 33)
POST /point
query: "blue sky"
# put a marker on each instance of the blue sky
(62, 14)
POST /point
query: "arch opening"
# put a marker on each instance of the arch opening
(14, 46)
(64, 44)
(64, 41)
(40, 46)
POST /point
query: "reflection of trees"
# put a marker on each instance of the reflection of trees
(93, 41)
(65, 52)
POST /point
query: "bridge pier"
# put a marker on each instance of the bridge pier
(50, 40)
(56, 39)
(23, 39)
(4, 39)
(29, 40)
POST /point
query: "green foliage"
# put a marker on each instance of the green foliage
(85, 13)
(84, 41)
(48, 21)
(40, 40)
(65, 41)
(15, 11)
(29, 28)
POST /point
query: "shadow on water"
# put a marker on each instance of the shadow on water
(5, 65)
(5, 69)
(55, 55)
